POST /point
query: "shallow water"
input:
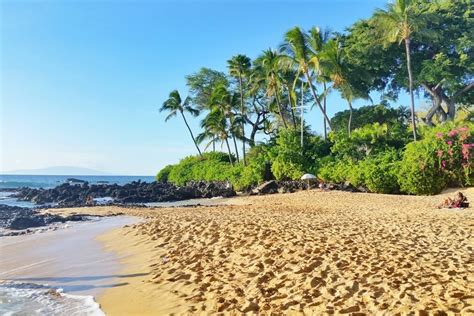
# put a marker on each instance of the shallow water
(69, 259)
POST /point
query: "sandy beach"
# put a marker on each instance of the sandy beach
(308, 252)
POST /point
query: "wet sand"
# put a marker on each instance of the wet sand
(68, 258)
(307, 252)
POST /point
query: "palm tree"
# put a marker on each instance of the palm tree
(239, 66)
(336, 68)
(317, 39)
(397, 24)
(215, 127)
(226, 102)
(298, 52)
(267, 69)
(174, 105)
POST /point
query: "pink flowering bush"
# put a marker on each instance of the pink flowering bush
(455, 152)
(442, 158)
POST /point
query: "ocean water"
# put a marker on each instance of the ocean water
(17, 298)
(46, 182)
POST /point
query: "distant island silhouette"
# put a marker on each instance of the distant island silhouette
(59, 170)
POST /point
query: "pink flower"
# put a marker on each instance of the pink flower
(453, 133)
(465, 151)
(439, 135)
(463, 129)
(443, 164)
(450, 143)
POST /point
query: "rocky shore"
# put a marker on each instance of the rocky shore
(73, 195)
(18, 218)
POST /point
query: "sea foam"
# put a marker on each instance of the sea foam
(17, 298)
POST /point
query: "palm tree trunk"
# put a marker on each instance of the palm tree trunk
(350, 118)
(290, 100)
(302, 113)
(315, 97)
(228, 150)
(214, 144)
(243, 122)
(410, 83)
(190, 132)
(236, 149)
(324, 108)
(280, 109)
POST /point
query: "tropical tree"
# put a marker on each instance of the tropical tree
(397, 24)
(298, 53)
(215, 127)
(317, 39)
(333, 60)
(225, 101)
(175, 105)
(267, 72)
(239, 68)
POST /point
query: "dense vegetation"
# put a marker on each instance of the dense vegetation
(256, 111)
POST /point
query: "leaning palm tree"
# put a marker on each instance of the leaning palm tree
(174, 104)
(397, 24)
(297, 51)
(239, 67)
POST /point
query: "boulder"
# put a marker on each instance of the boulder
(268, 187)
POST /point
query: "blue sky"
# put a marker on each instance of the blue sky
(81, 81)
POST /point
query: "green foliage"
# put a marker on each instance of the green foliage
(368, 140)
(254, 172)
(163, 174)
(443, 157)
(380, 113)
(379, 173)
(289, 161)
(420, 171)
(212, 166)
(333, 170)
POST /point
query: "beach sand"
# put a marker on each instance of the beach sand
(307, 252)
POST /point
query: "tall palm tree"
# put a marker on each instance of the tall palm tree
(317, 39)
(175, 105)
(298, 52)
(397, 24)
(333, 60)
(225, 101)
(239, 67)
(267, 69)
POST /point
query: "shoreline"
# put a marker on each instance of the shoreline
(70, 258)
(304, 252)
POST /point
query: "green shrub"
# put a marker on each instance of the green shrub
(368, 140)
(289, 160)
(335, 170)
(420, 172)
(213, 166)
(162, 175)
(379, 173)
(254, 172)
